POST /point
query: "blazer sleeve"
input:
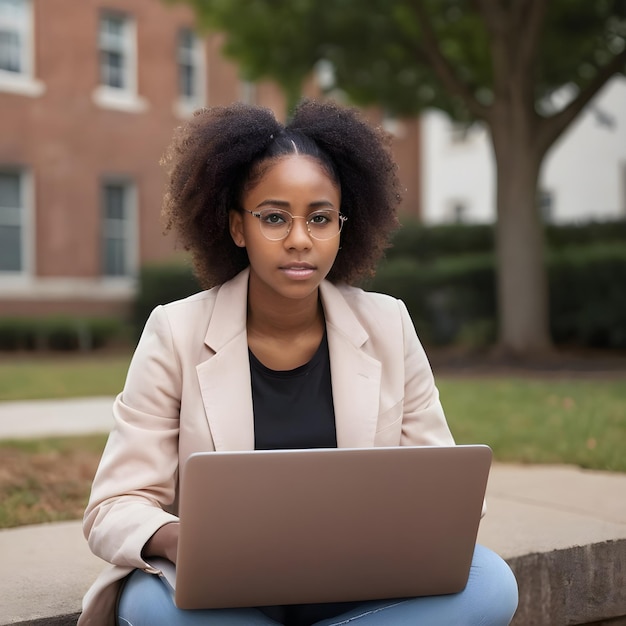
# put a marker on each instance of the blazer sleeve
(136, 480)
(424, 422)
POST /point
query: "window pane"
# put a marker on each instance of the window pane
(187, 81)
(187, 64)
(186, 40)
(112, 33)
(112, 70)
(10, 57)
(113, 52)
(12, 9)
(10, 248)
(114, 257)
(114, 196)
(10, 192)
(115, 225)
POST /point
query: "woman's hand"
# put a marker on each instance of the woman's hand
(163, 543)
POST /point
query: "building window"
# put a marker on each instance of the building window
(12, 221)
(545, 204)
(115, 52)
(460, 132)
(16, 48)
(191, 72)
(14, 36)
(118, 64)
(457, 211)
(118, 229)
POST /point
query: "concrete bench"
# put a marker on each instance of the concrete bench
(563, 531)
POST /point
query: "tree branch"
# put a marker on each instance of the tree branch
(442, 67)
(550, 128)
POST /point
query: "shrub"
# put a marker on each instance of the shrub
(454, 299)
(428, 243)
(443, 297)
(160, 284)
(588, 296)
(59, 332)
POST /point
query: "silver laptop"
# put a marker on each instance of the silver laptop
(326, 525)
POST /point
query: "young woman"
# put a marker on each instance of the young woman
(278, 352)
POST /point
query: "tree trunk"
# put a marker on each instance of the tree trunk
(523, 310)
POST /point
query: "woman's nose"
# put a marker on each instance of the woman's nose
(299, 235)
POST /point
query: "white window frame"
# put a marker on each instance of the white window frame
(124, 98)
(22, 82)
(196, 59)
(129, 226)
(26, 225)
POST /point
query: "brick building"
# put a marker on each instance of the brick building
(90, 92)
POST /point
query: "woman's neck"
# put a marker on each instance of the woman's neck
(284, 335)
(284, 318)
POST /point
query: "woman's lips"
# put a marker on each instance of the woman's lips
(298, 271)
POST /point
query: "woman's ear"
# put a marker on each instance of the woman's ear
(235, 222)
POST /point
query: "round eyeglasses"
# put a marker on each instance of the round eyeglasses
(276, 223)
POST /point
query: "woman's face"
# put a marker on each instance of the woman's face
(292, 267)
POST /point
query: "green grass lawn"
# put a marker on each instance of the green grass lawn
(580, 422)
(523, 419)
(528, 420)
(30, 378)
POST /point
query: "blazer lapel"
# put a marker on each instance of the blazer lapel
(224, 377)
(356, 376)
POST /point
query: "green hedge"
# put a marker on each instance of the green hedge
(428, 243)
(454, 300)
(159, 284)
(588, 296)
(59, 332)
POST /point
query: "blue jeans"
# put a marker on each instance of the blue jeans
(490, 599)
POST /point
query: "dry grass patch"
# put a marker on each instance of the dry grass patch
(46, 480)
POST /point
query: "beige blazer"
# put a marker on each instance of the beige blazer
(188, 389)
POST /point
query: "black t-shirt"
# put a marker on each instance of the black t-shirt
(294, 409)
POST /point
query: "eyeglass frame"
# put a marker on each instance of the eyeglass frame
(342, 218)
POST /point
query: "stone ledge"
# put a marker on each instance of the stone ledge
(579, 585)
(59, 620)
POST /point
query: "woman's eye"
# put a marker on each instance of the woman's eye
(319, 219)
(273, 218)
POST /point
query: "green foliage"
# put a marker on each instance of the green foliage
(59, 332)
(445, 298)
(160, 284)
(378, 50)
(446, 276)
(427, 243)
(588, 296)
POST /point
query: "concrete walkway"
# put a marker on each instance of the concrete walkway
(562, 529)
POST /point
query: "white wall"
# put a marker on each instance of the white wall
(585, 171)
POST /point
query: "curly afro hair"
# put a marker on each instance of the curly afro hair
(222, 151)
